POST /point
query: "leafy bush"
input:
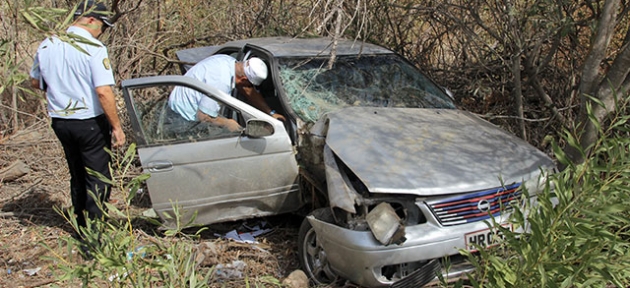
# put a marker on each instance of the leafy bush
(583, 240)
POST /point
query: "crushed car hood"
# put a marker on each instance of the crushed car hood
(429, 151)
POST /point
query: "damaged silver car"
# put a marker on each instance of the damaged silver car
(393, 177)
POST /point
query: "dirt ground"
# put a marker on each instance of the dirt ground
(28, 220)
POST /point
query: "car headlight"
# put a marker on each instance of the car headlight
(385, 224)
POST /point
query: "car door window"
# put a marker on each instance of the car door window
(160, 125)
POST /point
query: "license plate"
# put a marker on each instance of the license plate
(484, 238)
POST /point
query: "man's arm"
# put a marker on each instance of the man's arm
(108, 102)
(230, 124)
(36, 74)
(255, 99)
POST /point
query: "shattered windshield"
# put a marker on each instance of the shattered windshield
(357, 80)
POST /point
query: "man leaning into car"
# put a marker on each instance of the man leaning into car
(224, 73)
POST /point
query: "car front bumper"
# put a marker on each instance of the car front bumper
(359, 257)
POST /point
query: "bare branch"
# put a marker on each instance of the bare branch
(118, 13)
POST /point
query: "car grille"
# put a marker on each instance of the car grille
(420, 277)
(476, 206)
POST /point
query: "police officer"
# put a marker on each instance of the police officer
(82, 105)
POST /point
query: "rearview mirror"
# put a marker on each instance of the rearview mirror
(258, 128)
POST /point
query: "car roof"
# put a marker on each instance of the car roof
(286, 46)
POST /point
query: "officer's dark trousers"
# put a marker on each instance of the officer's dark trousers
(84, 143)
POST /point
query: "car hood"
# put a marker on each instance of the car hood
(429, 151)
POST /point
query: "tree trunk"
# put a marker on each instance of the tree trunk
(518, 96)
(516, 72)
(14, 96)
(593, 85)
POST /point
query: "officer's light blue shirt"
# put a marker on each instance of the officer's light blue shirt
(72, 75)
(216, 71)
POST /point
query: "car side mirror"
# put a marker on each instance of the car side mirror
(258, 128)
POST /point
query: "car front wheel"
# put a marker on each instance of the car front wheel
(312, 256)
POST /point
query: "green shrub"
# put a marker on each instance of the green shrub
(583, 241)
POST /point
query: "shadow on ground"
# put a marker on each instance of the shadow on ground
(37, 207)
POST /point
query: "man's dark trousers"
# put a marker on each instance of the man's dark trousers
(84, 142)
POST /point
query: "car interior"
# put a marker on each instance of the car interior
(269, 93)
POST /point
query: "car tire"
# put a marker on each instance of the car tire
(311, 255)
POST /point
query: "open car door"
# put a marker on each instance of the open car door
(208, 170)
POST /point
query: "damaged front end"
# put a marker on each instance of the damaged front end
(385, 217)
(349, 237)
(404, 198)
(359, 228)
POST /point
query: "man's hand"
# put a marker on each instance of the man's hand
(118, 138)
(232, 125)
(229, 124)
(279, 117)
(108, 102)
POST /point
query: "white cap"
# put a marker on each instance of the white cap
(255, 70)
